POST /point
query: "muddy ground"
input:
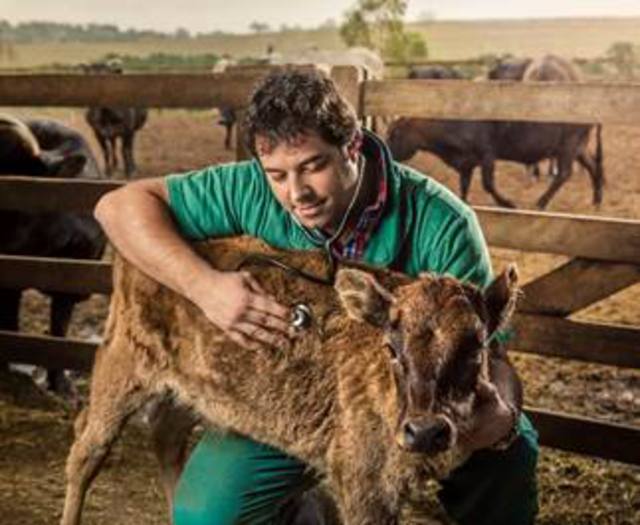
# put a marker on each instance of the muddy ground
(35, 430)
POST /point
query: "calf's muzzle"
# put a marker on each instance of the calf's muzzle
(427, 437)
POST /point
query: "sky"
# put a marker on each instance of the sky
(236, 15)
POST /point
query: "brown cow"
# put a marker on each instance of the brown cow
(464, 144)
(375, 392)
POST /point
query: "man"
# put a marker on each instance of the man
(316, 180)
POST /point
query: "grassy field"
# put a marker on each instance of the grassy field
(584, 38)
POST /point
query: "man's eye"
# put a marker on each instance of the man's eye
(315, 166)
(278, 177)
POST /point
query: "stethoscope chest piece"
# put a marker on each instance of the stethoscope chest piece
(301, 316)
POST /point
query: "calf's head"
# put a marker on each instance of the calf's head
(435, 332)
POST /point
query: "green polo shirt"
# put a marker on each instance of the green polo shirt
(424, 226)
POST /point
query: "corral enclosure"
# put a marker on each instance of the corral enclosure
(597, 491)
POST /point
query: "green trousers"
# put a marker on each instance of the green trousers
(231, 479)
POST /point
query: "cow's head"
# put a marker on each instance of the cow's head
(435, 332)
(403, 138)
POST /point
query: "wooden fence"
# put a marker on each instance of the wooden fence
(604, 253)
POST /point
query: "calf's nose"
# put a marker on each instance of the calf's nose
(427, 438)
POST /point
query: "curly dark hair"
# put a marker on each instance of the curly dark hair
(289, 103)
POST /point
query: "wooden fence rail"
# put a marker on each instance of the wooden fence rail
(615, 240)
(447, 99)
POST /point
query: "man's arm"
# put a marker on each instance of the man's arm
(138, 221)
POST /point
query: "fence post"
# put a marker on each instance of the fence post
(242, 153)
(349, 80)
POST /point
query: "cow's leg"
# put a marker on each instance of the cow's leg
(597, 180)
(10, 309)
(465, 181)
(565, 166)
(488, 183)
(59, 319)
(9, 314)
(115, 395)
(106, 155)
(228, 135)
(113, 152)
(127, 155)
(171, 427)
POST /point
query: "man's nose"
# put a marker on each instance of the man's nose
(299, 191)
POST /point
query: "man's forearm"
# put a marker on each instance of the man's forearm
(138, 222)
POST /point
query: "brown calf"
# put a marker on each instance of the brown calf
(374, 393)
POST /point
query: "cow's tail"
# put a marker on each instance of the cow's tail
(598, 176)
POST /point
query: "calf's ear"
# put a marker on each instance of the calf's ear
(500, 298)
(363, 297)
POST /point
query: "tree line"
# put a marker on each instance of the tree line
(37, 31)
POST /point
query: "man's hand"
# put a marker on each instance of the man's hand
(236, 303)
(493, 419)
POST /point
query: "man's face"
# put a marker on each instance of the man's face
(312, 179)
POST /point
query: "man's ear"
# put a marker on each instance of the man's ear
(354, 146)
(363, 297)
(500, 298)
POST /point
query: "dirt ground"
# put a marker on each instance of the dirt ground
(35, 430)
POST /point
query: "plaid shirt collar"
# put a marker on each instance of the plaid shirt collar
(361, 228)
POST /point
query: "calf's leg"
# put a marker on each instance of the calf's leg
(59, 319)
(115, 395)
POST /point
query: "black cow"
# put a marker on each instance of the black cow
(434, 73)
(466, 144)
(112, 123)
(46, 148)
(510, 68)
